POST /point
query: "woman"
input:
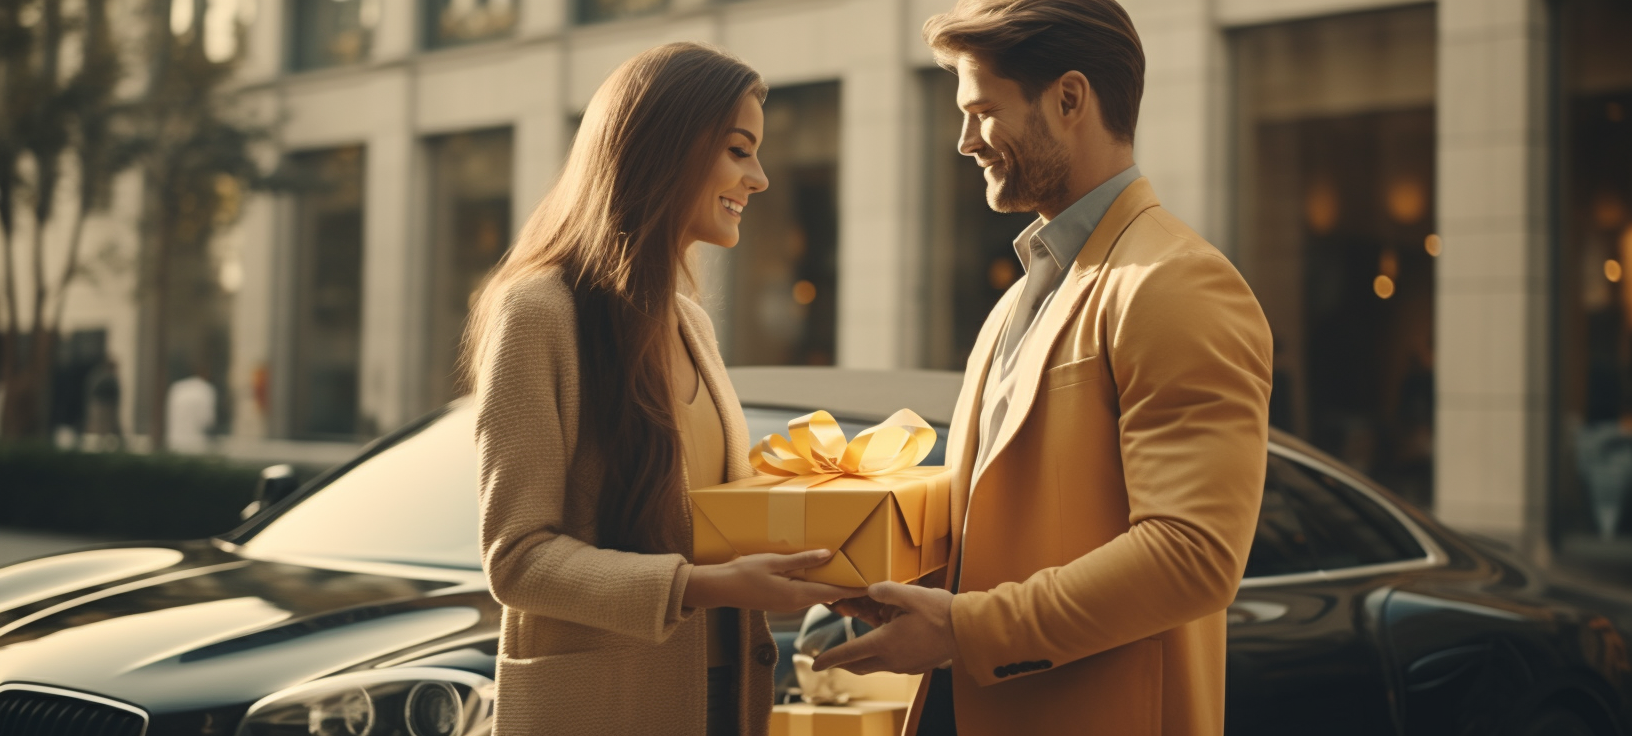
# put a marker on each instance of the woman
(601, 397)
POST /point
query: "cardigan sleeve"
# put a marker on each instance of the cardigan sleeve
(527, 395)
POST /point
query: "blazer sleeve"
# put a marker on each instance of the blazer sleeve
(1190, 351)
(526, 429)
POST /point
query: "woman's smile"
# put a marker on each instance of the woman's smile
(733, 206)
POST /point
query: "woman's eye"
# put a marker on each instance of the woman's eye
(739, 152)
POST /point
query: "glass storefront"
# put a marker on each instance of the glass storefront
(969, 249)
(596, 11)
(469, 225)
(781, 281)
(455, 22)
(326, 299)
(1594, 306)
(1333, 156)
(325, 33)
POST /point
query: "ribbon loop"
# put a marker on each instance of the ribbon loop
(816, 445)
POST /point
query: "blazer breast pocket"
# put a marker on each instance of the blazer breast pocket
(1091, 368)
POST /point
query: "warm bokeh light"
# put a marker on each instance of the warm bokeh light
(1407, 200)
(1612, 270)
(1320, 207)
(1001, 273)
(1383, 286)
(1389, 264)
(1433, 244)
(804, 292)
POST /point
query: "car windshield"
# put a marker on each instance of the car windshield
(415, 501)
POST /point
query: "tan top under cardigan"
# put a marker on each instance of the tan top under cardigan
(593, 641)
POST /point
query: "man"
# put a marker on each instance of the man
(1110, 438)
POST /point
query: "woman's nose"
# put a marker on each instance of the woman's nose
(756, 180)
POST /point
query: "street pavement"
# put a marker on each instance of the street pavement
(21, 544)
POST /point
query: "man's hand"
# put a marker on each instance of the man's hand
(874, 613)
(914, 641)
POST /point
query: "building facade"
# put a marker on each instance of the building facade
(1432, 200)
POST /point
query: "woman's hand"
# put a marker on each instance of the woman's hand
(760, 583)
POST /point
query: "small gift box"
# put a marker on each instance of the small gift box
(884, 517)
(870, 718)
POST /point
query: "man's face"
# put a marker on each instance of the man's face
(1026, 166)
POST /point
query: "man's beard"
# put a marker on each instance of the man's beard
(1034, 171)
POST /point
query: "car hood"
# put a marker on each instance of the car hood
(191, 626)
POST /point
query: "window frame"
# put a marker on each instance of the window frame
(1433, 554)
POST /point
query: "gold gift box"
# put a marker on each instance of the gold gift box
(869, 718)
(884, 517)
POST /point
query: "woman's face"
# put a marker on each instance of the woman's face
(735, 175)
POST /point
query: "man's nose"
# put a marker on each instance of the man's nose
(969, 141)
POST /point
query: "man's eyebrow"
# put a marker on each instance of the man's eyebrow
(752, 140)
(972, 104)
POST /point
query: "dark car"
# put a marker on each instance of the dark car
(356, 605)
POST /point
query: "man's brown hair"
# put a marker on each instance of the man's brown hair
(1035, 42)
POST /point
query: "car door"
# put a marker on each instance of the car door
(1303, 653)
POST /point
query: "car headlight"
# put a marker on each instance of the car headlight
(410, 701)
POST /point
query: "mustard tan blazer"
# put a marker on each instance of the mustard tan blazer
(1109, 528)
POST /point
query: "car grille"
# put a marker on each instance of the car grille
(35, 712)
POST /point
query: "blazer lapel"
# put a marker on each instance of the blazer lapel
(1036, 349)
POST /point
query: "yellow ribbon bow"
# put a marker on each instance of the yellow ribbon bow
(818, 447)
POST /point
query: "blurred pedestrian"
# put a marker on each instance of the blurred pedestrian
(190, 407)
(102, 392)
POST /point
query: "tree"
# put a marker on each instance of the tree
(196, 155)
(181, 130)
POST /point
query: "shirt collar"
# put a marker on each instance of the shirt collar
(1064, 236)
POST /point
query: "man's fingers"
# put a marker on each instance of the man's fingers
(853, 651)
(864, 666)
(801, 560)
(893, 594)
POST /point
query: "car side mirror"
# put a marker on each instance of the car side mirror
(276, 483)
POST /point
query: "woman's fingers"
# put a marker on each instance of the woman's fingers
(824, 593)
(799, 561)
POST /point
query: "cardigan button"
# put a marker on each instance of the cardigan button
(765, 654)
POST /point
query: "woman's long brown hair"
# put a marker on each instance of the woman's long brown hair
(614, 224)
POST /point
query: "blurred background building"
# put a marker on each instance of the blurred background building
(1433, 201)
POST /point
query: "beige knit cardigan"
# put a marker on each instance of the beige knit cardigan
(593, 641)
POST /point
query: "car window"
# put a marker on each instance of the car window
(763, 421)
(1280, 546)
(414, 502)
(1344, 527)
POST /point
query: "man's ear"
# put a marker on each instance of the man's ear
(1075, 97)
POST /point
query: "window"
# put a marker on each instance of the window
(469, 222)
(455, 22)
(1279, 547)
(1594, 216)
(596, 11)
(782, 281)
(969, 253)
(1333, 226)
(327, 33)
(325, 344)
(418, 497)
(1341, 526)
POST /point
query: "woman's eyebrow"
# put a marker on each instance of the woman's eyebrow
(752, 140)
